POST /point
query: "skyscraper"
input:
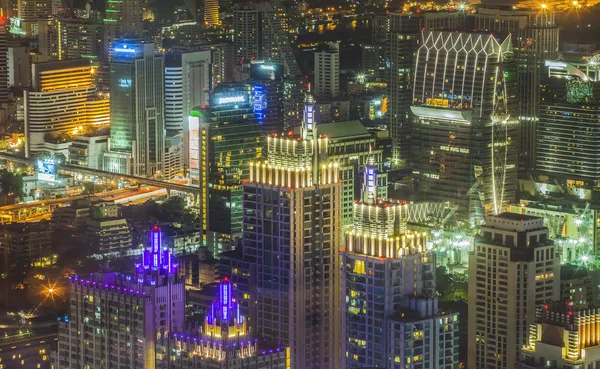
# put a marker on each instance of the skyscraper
(211, 13)
(268, 96)
(137, 130)
(62, 100)
(534, 34)
(224, 138)
(292, 229)
(187, 85)
(114, 319)
(259, 35)
(225, 341)
(3, 62)
(327, 71)
(464, 136)
(123, 19)
(391, 314)
(404, 39)
(569, 110)
(80, 38)
(513, 269)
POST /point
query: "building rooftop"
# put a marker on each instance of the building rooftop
(516, 217)
(341, 130)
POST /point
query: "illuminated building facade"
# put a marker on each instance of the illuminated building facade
(137, 130)
(80, 38)
(513, 268)
(534, 34)
(187, 85)
(268, 96)
(4, 70)
(211, 13)
(327, 72)
(130, 312)
(62, 100)
(292, 231)
(352, 147)
(224, 138)
(123, 19)
(391, 317)
(259, 35)
(404, 40)
(464, 137)
(569, 110)
(562, 336)
(225, 341)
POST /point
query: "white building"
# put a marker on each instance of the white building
(108, 235)
(512, 270)
(327, 72)
(88, 151)
(188, 77)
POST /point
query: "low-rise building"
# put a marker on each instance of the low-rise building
(562, 337)
(108, 235)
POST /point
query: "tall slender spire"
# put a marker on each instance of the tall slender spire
(369, 185)
(309, 125)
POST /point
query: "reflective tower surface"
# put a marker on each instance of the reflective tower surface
(464, 143)
(137, 130)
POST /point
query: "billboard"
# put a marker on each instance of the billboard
(266, 71)
(229, 98)
(46, 169)
(194, 147)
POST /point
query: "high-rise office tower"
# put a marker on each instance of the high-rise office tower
(513, 269)
(225, 341)
(389, 288)
(62, 100)
(259, 35)
(123, 19)
(114, 319)
(268, 96)
(562, 336)
(294, 90)
(569, 109)
(404, 39)
(464, 136)
(224, 138)
(31, 10)
(80, 38)
(187, 84)
(19, 66)
(137, 98)
(211, 13)
(292, 229)
(48, 40)
(327, 71)
(535, 38)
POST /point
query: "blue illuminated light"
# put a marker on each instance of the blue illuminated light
(260, 103)
(125, 83)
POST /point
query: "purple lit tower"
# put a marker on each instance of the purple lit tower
(224, 341)
(115, 319)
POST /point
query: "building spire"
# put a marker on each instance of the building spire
(155, 260)
(369, 185)
(309, 125)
